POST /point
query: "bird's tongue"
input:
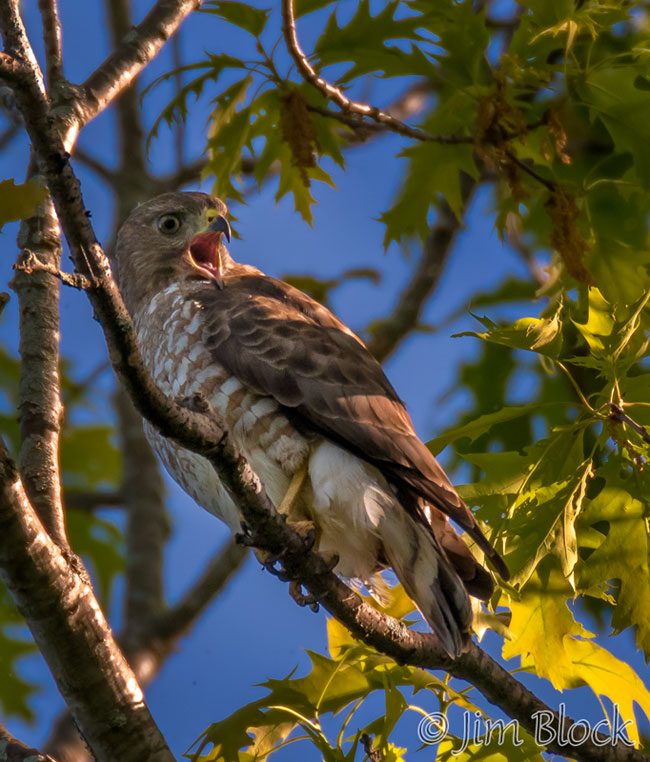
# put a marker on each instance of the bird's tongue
(204, 250)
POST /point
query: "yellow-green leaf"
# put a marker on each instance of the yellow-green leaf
(19, 202)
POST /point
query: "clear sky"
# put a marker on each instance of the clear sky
(255, 631)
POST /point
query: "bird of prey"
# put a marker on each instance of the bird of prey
(305, 402)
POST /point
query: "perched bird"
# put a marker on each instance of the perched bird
(306, 404)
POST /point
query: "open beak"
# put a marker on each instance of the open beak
(204, 251)
(220, 225)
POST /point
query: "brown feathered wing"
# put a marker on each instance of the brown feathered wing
(282, 343)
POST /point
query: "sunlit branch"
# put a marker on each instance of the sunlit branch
(54, 596)
(52, 40)
(137, 49)
(149, 649)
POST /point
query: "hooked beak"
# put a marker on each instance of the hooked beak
(220, 225)
(204, 251)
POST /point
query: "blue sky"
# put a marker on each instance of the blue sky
(255, 631)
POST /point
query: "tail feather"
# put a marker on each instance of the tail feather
(429, 579)
(476, 579)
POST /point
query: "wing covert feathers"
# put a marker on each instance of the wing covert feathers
(282, 343)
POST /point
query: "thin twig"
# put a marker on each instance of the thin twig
(618, 414)
(332, 92)
(179, 124)
(219, 569)
(356, 122)
(29, 263)
(548, 184)
(107, 174)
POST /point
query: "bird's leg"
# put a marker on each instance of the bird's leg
(295, 591)
(290, 508)
(289, 500)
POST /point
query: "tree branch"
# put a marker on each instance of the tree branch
(13, 750)
(130, 132)
(147, 522)
(54, 596)
(8, 135)
(40, 407)
(13, 71)
(137, 48)
(108, 175)
(151, 648)
(411, 102)
(52, 40)
(356, 122)
(178, 619)
(18, 52)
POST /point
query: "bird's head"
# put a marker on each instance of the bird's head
(172, 237)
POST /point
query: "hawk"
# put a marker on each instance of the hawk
(305, 402)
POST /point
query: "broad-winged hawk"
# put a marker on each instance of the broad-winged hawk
(304, 401)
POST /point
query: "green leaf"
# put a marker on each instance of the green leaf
(19, 202)
(100, 543)
(225, 148)
(89, 458)
(243, 15)
(177, 108)
(541, 335)
(462, 33)
(434, 172)
(622, 555)
(610, 94)
(526, 497)
(499, 742)
(619, 259)
(597, 330)
(480, 425)
(363, 41)
(303, 7)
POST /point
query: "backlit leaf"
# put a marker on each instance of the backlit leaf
(18, 202)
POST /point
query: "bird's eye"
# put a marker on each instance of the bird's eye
(169, 223)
